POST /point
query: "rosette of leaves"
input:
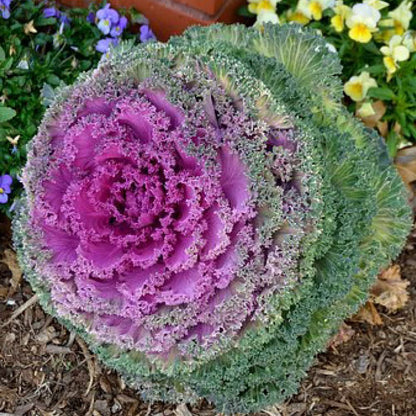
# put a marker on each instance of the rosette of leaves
(205, 212)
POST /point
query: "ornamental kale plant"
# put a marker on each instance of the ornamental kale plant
(205, 212)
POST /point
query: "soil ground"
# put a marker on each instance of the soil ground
(45, 371)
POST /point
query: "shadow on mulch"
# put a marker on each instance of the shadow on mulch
(46, 371)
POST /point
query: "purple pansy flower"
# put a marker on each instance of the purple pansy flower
(5, 8)
(63, 18)
(104, 44)
(54, 12)
(91, 17)
(146, 34)
(117, 30)
(5, 182)
(51, 12)
(108, 13)
(107, 17)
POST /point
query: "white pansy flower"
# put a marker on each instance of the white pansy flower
(377, 4)
(393, 53)
(342, 12)
(363, 22)
(265, 11)
(409, 40)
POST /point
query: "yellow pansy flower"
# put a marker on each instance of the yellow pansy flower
(337, 22)
(29, 28)
(313, 9)
(13, 140)
(393, 53)
(362, 22)
(396, 23)
(366, 110)
(256, 6)
(387, 30)
(357, 86)
(265, 16)
(409, 40)
(298, 17)
(342, 12)
(265, 10)
(377, 4)
(401, 17)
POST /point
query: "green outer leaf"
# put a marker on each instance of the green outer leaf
(6, 114)
(382, 94)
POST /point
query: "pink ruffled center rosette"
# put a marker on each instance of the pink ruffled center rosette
(145, 236)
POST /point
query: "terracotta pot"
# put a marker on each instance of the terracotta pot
(210, 7)
(172, 17)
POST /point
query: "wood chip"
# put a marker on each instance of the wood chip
(335, 404)
(105, 384)
(21, 309)
(22, 410)
(405, 162)
(90, 363)
(3, 292)
(46, 335)
(380, 360)
(390, 290)
(10, 260)
(345, 333)
(351, 407)
(182, 410)
(57, 349)
(368, 313)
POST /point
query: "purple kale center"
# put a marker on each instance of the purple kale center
(137, 225)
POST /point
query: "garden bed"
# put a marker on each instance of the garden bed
(45, 371)
(295, 224)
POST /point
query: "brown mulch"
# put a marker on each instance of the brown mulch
(45, 371)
